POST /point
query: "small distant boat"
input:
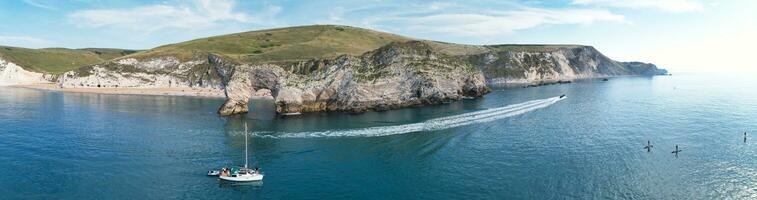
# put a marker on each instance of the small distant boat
(289, 114)
(244, 174)
(214, 173)
(562, 96)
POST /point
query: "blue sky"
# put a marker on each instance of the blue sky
(677, 34)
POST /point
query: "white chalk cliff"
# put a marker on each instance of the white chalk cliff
(12, 74)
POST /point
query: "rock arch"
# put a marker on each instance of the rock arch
(240, 83)
(395, 76)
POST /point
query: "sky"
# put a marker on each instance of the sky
(680, 35)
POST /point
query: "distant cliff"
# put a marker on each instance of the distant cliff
(340, 68)
(644, 69)
(529, 64)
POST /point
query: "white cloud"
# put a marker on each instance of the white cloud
(25, 41)
(200, 14)
(441, 5)
(664, 5)
(505, 22)
(39, 5)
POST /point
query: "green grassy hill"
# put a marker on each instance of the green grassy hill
(58, 60)
(272, 45)
(262, 46)
(283, 44)
(309, 42)
(108, 53)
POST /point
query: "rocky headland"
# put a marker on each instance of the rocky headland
(386, 72)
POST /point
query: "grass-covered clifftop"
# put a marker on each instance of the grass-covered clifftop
(58, 60)
(291, 45)
(278, 45)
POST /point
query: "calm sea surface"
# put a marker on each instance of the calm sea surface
(520, 143)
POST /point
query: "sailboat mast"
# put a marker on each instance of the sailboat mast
(245, 145)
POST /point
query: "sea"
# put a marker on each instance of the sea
(514, 143)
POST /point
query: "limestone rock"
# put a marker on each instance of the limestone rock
(395, 76)
(12, 74)
(159, 72)
(549, 65)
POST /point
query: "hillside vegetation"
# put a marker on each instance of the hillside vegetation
(58, 60)
(109, 53)
(303, 43)
(311, 42)
(283, 44)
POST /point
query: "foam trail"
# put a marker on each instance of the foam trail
(428, 125)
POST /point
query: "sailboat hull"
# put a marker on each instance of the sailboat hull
(243, 178)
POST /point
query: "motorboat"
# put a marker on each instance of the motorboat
(562, 96)
(291, 114)
(214, 172)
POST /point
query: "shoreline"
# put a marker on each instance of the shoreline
(174, 91)
(219, 93)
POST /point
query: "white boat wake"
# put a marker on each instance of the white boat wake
(428, 125)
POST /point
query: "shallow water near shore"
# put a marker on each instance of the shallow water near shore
(512, 144)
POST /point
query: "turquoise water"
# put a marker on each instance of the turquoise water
(517, 143)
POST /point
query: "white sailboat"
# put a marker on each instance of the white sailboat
(244, 174)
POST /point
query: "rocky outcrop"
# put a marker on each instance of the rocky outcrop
(12, 74)
(394, 76)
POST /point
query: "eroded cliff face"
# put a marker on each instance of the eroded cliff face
(12, 74)
(159, 72)
(508, 67)
(394, 76)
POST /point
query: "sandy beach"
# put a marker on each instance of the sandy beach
(173, 91)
